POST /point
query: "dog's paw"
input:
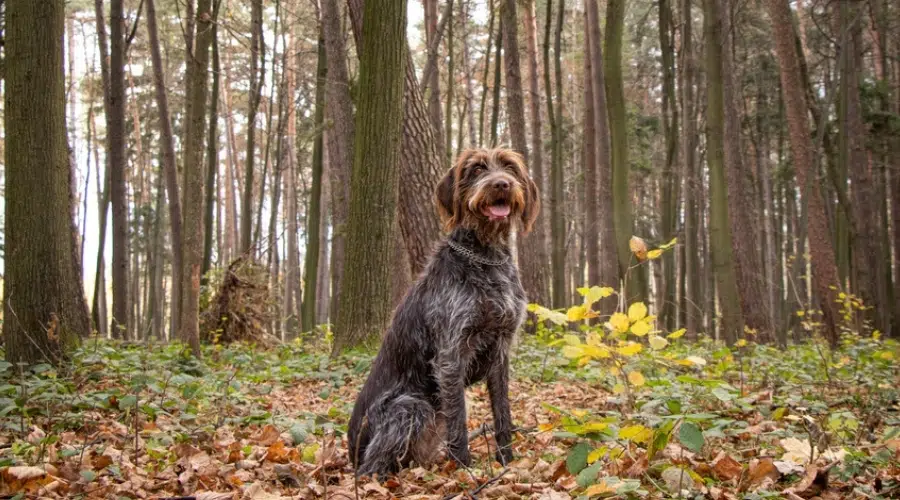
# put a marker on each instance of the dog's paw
(461, 457)
(505, 455)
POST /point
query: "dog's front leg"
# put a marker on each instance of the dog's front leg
(451, 373)
(498, 387)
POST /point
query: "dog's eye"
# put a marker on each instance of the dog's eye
(478, 168)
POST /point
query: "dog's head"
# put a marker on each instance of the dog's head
(488, 190)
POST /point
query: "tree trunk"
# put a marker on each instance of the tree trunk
(824, 269)
(495, 105)
(590, 168)
(741, 214)
(692, 273)
(212, 158)
(167, 143)
(609, 269)
(557, 193)
(451, 83)
(467, 69)
(669, 178)
(618, 134)
(115, 137)
(532, 257)
(257, 76)
(484, 78)
(720, 229)
(339, 113)
(98, 303)
(313, 215)
(43, 295)
(195, 126)
(366, 306)
(434, 87)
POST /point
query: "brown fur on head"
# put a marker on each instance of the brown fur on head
(487, 190)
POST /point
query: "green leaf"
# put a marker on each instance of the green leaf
(690, 436)
(723, 394)
(577, 459)
(88, 475)
(660, 439)
(588, 475)
(127, 402)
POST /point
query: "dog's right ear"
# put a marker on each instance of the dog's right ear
(444, 199)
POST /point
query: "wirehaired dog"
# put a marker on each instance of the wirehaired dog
(454, 327)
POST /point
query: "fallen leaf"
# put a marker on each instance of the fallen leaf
(726, 468)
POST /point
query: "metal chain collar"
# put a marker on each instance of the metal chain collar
(472, 256)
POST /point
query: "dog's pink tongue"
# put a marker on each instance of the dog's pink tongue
(498, 211)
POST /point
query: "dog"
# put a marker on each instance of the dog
(454, 327)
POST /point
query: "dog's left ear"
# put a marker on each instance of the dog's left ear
(444, 195)
(532, 205)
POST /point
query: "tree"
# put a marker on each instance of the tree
(311, 266)
(795, 105)
(693, 316)
(44, 309)
(167, 144)
(532, 258)
(618, 134)
(669, 180)
(607, 260)
(557, 191)
(366, 305)
(257, 76)
(195, 125)
(115, 137)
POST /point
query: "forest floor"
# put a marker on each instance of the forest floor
(137, 421)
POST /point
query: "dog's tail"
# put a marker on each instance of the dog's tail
(394, 431)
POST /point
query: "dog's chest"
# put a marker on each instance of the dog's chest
(500, 302)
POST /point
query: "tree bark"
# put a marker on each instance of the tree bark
(590, 169)
(669, 181)
(115, 137)
(693, 316)
(487, 70)
(257, 76)
(557, 194)
(608, 255)
(467, 69)
(822, 254)
(745, 228)
(618, 134)
(98, 303)
(43, 297)
(367, 304)
(434, 88)
(195, 126)
(313, 215)
(212, 156)
(532, 257)
(167, 144)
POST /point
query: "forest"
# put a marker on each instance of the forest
(212, 209)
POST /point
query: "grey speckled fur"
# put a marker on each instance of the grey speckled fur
(453, 328)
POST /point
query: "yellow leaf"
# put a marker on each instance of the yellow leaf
(595, 293)
(801, 314)
(741, 343)
(593, 338)
(654, 254)
(571, 339)
(676, 334)
(600, 488)
(638, 248)
(630, 349)
(546, 427)
(597, 454)
(596, 351)
(637, 311)
(579, 413)
(576, 313)
(640, 328)
(545, 314)
(572, 351)
(887, 355)
(636, 433)
(618, 389)
(636, 378)
(619, 322)
(614, 371)
(658, 342)
(595, 426)
(669, 244)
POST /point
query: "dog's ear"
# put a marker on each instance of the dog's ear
(532, 205)
(444, 199)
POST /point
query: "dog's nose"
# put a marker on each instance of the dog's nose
(501, 184)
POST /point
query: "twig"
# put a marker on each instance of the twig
(481, 487)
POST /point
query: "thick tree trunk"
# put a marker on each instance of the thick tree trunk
(195, 126)
(618, 133)
(609, 269)
(720, 230)
(115, 137)
(257, 75)
(557, 193)
(43, 295)
(745, 227)
(532, 257)
(366, 306)
(824, 269)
